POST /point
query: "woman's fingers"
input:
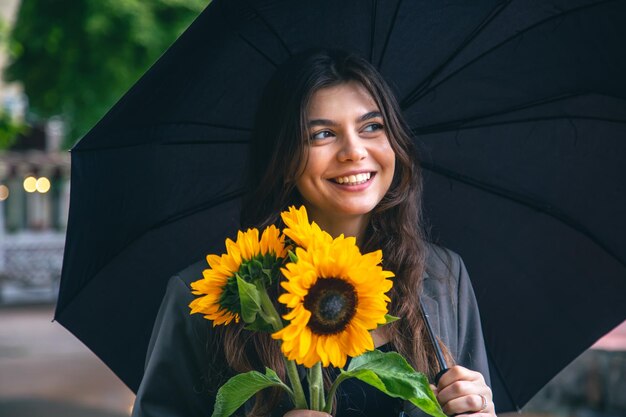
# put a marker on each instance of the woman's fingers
(471, 403)
(457, 373)
(462, 391)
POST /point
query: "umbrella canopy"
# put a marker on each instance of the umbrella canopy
(519, 113)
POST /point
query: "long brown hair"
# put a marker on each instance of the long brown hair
(278, 152)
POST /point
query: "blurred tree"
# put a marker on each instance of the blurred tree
(9, 130)
(76, 58)
(9, 126)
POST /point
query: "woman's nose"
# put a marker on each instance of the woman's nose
(352, 148)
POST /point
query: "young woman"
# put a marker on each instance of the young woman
(329, 134)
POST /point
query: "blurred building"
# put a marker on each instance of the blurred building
(34, 203)
(34, 197)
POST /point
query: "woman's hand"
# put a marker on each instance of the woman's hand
(461, 392)
(306, 413)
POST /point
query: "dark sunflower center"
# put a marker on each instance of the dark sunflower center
(332, 303)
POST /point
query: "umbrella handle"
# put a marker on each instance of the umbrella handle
(443, 366)
(439, 375)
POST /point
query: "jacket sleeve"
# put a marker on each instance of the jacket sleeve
(450, 301)
(471, 353)
(177, 362)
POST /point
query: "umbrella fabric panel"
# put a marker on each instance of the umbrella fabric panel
(299, 26)
(556, 207)
(382, 31)
(602, 108)
(565, 168)
(529, 254)
(530, 68)
(508, 23)
(410, 57)
(116, 310)
(135, 190)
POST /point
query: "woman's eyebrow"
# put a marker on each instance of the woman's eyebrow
(328, 122)
(322, 122)
(369, 115)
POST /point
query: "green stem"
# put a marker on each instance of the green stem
(316, 387)
(273, 318)
(298, 391)
(331, 393)
(269, 312)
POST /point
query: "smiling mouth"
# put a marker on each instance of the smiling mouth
(354, 179)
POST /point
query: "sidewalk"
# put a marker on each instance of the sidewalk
(46, 372)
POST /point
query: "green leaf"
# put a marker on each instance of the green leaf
(390, 319)
(269, 260)
(267, 276)
(275, 270)
(390, 373)
(250, 300)
(292, 257)
(238, 389)
(259, 325)
(256, 269)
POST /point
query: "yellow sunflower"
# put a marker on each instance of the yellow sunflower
(335, 296)
(220, 297)
(300, 230)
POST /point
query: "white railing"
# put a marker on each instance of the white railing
(30, 266)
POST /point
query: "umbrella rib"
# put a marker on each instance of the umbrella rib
(247, 41)
(167, 143)
(447, 127)
(271, 29)
(251, 45)
(205, 142)
(525, 201)
(458, 124)
(201, 207)
(415, 96)
(386, 44)
(215, 125)
(216, 202)
(155, 128)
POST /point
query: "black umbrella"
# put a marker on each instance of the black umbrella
(519, 112)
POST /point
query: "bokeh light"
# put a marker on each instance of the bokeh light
(43, 185)
(4, 192)
(30, 184)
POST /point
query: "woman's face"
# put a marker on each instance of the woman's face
(350, 162)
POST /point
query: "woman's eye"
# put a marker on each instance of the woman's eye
(372, 127)
(322, 135)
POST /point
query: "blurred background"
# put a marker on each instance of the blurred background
(62, 65)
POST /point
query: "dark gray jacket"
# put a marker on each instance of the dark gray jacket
(178, 357)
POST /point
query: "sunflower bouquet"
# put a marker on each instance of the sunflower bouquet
(334, 296)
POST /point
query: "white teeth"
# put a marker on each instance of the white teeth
(354, 179)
